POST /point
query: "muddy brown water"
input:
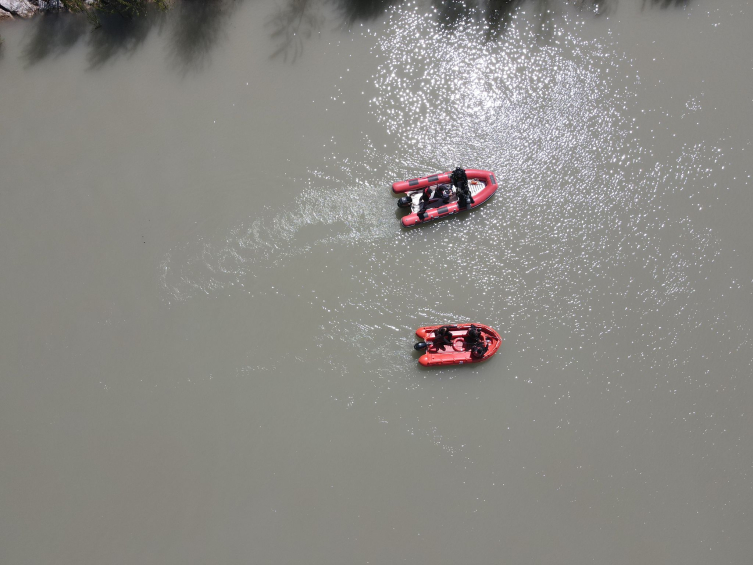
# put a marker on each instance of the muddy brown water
(207, 302)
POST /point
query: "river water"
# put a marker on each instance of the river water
(208, 304)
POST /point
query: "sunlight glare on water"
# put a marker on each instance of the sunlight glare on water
(576, 259)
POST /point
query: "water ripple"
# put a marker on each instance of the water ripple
(584, 253)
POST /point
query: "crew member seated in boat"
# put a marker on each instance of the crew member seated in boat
(473, 336)
(427, 195)
(443, 192)
(460, 182)
(440, 192)
(478, 351)
(442, 337)
(474, 342)
(424, 202)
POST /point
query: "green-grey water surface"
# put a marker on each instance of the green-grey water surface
(207, 302)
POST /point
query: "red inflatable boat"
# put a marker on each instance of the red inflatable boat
(482, 185)
(459, 353)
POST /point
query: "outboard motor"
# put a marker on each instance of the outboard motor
(404, 202)
(420, 346)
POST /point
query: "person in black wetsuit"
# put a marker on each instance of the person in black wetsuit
(474, 342)
(473, 336)
(478, 351)
(424, 202)
(443, 337)
(460, 182)
(440, 192)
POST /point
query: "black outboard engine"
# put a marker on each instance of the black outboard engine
(420, 346)
(404, 202)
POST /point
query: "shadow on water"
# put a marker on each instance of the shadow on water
(499, 15)
(120, 36)
(197, 27)
(666, 3)
(360, 10)
(297, 20)
(451, 13)
(292, 24)
(54, 34)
